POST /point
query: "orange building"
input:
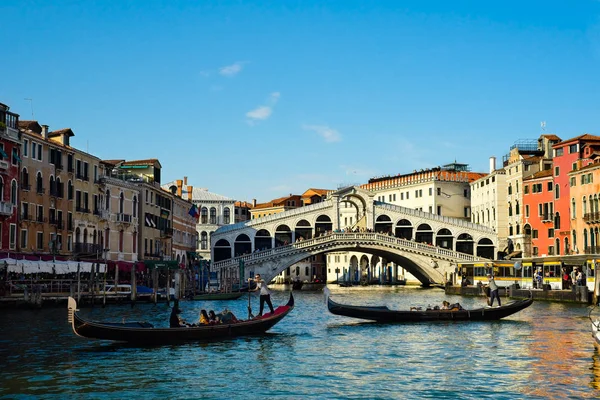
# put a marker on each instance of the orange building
(538, 212)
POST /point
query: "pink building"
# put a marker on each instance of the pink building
(9, 178)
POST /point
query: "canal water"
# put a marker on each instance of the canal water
(546, 351)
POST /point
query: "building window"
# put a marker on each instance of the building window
(13, 236)
(203, 241)
(134, 242)
(40, 241)
(526, 210)
(556, 171)
(550, 232)
(23, 242)
(439, 210)
(573, 148)
(121, 241)
(13, 192)
(226, 216)
(25, 148)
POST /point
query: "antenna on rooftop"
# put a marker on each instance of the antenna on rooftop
(31, 104)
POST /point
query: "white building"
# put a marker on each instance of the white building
(488, 202)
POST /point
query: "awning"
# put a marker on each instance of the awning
(150, 264)
(513, 255)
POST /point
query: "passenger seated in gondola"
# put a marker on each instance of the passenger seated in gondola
(455, 307)
(204, 320)
(445, 305)
(212, 318)
(227, 317)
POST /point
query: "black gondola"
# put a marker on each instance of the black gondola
(384, 314)
(143, 332)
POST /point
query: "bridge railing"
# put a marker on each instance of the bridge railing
(352, 237)
(446, 220)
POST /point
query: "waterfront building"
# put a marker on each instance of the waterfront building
(117, 209)
(488, 202)
(584, 185)
(526, 157)
(538, 210)
(10, 142)
(83, 189)
(47, 191)
(568, 156)
(185, 236)
(155, 206)
(442, 190)
(215, 211)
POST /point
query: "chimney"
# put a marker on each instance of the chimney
(492, 164)
(179, 187)
(45, 131)
(185, 180)
(190, 190)
(253, 202)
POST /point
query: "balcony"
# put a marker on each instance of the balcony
(87, 248)
(59, 223)
(166, 232)
(101, 214)
(6, 208)
(547, 217)
(41, 219)
(25, 186)
(54, 191)
(124, 218)
(10, 133)
(82, 209)
(59, 166)
(4, 165)
(70, 169)
(592, 218)
(40, 190)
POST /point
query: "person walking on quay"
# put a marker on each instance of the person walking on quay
(574, 277)
(265, 294)
(493, 291)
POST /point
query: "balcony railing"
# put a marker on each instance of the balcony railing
(70, 169)
(25, 186)
(166, 232)
(82, 209)
(40, 190)
(6, 208)
(88, 248)
(58, 222)
(125, 218)
(26, 217)
(547, 217)
(592, 218)
(102, 214)
(41, 219)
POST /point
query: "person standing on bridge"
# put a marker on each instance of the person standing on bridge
(265, 294)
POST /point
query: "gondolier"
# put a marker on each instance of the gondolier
(493, 291)
(265, 294)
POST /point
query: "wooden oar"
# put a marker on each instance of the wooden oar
(249, 306)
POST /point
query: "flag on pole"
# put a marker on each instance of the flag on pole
(194, 212)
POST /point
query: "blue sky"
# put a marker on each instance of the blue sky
(262, 99)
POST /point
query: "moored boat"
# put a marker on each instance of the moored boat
(218, 296)
(384, 314)
(144, 332)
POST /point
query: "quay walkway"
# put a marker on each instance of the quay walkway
(578, 294)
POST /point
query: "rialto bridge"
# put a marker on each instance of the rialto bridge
(427, 245)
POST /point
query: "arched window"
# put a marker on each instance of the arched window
(69, 190)
(13, 192)
(573, 209)
(204, 215)
(59, 189)
(517, 209)
(134, 206)
(1, 189)
(39, 184)
(25, 179)
(584, 208)
(203, 241)
(226, 216)
(52, 186)
(509, 210)
(121, 203)
(213, 215)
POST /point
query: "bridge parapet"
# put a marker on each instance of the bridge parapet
(338, 239)
(446, 220)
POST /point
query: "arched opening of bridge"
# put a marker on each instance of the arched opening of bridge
(383, 224)
(424, 234)
(222, 250)
(283, 235)
(364, 269)
(444, 239)
(263, 240)
(485, 248)
(242, 245)
(465, 243)
(303, 230)
(323, 225)
(404, 229)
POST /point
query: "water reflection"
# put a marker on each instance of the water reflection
(595, 383)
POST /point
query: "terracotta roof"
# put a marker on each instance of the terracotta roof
(33, 126)
(242, 204)
(111, 162)
(65, 131)
(541, 174)
(551, 137)
(276, 202)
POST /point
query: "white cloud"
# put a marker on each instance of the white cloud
(263, 112)
(329, 134)
(231, 70)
